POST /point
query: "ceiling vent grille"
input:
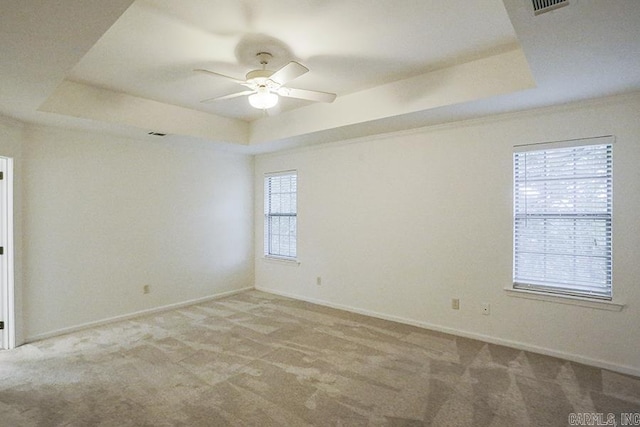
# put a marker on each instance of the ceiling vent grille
(542, 6)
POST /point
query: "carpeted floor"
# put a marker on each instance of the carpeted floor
(255, 359)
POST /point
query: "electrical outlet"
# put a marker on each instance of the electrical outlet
(146, 289)
(485, 308)
(319, 281)
(455, 303)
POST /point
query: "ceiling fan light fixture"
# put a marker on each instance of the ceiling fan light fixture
(263, 99)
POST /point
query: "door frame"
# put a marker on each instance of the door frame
(7, 291)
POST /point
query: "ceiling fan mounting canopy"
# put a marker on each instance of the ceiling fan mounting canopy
(266, 85)
(264, 57)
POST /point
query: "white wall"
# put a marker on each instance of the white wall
(398, 225)
(104, 216)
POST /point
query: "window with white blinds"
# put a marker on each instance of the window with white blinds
(280, 214)
(562, 217)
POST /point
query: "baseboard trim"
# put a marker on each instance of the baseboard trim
(133, 315)
(628, 370)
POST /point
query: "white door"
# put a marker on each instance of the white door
(7, 334)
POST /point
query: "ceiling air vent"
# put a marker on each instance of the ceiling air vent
(542, 6)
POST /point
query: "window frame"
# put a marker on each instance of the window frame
(270, 215)
(604, 289)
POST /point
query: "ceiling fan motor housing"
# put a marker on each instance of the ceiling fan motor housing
(259, 75)
(260, 78)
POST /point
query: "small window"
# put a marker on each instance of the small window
(562, 217)
(280, 215)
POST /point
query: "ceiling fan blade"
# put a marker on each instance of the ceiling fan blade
(309, 95)
(288, 72)
(213, 73)
(233, 95)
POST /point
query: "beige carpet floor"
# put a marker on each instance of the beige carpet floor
(255, 359)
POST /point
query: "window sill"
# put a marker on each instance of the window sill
(279, 260)
(565, 299)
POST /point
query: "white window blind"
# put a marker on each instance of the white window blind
(562, 218)
(280, 214)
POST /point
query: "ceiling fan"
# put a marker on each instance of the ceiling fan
(265, 86)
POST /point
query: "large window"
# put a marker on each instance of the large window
(280, 214)
(562, 217)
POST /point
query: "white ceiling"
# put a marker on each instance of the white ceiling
(126, 66)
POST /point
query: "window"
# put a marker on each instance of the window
(562, 217)
(280, 214)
